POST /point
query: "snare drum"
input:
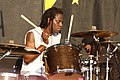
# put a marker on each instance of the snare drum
(8, 76)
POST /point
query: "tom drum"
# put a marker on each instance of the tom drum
(63, 62)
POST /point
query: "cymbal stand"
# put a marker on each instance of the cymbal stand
(97, 69)
(96, 39)
(109, 55)
(107, 61)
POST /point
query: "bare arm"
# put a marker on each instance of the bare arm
(30, 42)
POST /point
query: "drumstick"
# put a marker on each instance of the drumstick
(70, 27)
(26, 19)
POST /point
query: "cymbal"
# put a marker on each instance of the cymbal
(91, 33)
(112, 42)
(17, 49)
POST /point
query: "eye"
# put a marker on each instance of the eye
(59, 21)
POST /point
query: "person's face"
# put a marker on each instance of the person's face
(57, 23)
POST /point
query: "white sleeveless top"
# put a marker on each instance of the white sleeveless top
(36, 67)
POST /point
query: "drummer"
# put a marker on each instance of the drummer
(91, 46)
(41, 38)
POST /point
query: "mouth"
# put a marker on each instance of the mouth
(58, 29)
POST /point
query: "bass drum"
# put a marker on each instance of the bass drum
(8, 76)
(63, 62)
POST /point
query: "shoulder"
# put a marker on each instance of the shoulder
(36, 30)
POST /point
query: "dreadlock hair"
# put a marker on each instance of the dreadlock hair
(50, 13)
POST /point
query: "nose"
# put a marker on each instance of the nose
(60, 24)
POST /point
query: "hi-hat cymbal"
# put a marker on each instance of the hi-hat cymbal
(91, 33)
(16, 49)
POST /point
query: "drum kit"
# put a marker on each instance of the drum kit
(63, 61)
(67, 62)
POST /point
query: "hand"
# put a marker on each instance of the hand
(47, 32)
(41, 48)
(45, 37)
(88, 48)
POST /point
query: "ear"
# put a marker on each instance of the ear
(48, 20)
